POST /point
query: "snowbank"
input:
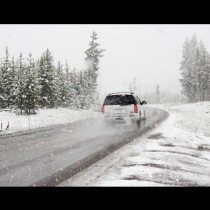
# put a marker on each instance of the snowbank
(199, 107)
(43, 118)
(194, 117)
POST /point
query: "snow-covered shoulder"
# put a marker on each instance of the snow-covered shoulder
(193, 117)
(43, 118)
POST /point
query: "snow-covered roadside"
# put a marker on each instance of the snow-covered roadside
(195, 117)
(43, 118)
(177, 153)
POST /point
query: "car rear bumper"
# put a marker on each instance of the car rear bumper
(132, 117)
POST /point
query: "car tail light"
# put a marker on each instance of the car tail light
(135, 108)
(102, 109)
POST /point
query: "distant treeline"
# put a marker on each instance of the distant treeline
(163, 97)
(195, 71)
(27, 84)
(157, 96)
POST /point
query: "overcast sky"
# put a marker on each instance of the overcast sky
(150, 53)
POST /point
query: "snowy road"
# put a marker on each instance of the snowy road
(51, 155)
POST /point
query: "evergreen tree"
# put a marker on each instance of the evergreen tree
(20, 85)
(26, 85)
(75, 78)
(69, 86)
(1, 89)
(86, 81)
(46, 78)
(203, 72)
(93, 55)
(195, 68)
(73, 84)
(5, 80)
(84, 96)
(12, 81)
(188, 68)
(70, 92)
(80, 91)
(61, 84)
(30, 90)
(194, 60)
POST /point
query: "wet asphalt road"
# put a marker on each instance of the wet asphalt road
(47, 157)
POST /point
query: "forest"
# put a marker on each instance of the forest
(27, 84)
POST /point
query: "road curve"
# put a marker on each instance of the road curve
(48, 156)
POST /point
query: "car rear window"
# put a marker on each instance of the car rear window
(119, 100)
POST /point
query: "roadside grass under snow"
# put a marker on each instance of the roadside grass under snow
(43, 118)
(177, 153)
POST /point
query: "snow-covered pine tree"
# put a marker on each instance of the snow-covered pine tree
(38, 71)
(74, 81)
(86, 83)
(80, 89)
(20, 85)
(70, 92)
(195, 68)
(93, 55)
(188, 68)
(197, 75)
(61, 84)
(85, 91)
(48, 93)
(1, 89)
(185, 83)
(12, 80)
(194, 61)
(6, 80)
(31, 90)
(41, 76)
(204, 72)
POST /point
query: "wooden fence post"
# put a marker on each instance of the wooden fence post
(7, 126)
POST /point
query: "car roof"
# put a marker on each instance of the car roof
(121, 93)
